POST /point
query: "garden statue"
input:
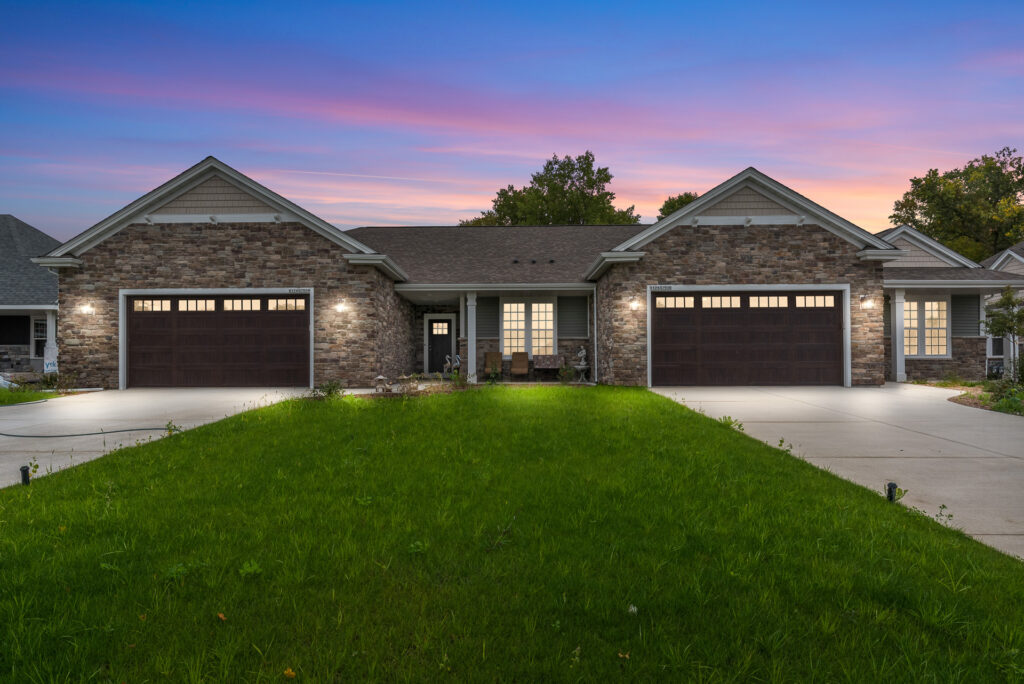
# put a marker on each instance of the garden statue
(581, 365)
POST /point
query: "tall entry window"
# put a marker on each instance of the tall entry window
(542, 327)
(513, 327)
(528, 327)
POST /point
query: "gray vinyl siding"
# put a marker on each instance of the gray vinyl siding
(572, 318)
(487, 317)
(965, 315)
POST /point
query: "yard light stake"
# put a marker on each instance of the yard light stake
(24, 475)
(890, 492)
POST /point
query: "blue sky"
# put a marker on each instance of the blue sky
(396, 113)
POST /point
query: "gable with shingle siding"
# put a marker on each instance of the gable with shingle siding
(215, 196)
(916, 257)
(746, 202)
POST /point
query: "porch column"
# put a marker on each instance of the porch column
(471, 336)
(50, 350)
(899, 364)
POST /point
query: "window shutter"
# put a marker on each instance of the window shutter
(572, 318)
(965, 315)
(487, 317)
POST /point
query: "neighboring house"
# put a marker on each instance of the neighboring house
(213, 279)
(999, 349)
(936, 297)
(28, 298)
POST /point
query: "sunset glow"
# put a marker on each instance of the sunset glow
(416, 114)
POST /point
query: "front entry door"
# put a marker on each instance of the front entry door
(439, 344)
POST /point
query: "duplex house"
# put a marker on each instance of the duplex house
(214, 279)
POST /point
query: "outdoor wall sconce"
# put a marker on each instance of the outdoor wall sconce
(87, 309)
(867, 302)
(341, 306)
(634, 304)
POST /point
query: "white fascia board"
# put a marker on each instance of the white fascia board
(28, 307)
(56, 262)
(606, 260)
(881, 254)
(930, 245)
(952, 284)
(184, 182)
(773, 190)
(380, 261)
(503, 287)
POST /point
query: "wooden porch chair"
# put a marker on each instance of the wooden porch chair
(520, 364)
(492, 364)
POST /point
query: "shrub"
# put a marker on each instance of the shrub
(62, 382)
(327, 390)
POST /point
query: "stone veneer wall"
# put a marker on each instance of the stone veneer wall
(19, 356)
(372, 336)
(968, 362)
(733, 255)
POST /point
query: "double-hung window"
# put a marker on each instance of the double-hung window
(926, 327)
(528, 326)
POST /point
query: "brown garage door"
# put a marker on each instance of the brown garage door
(218, 341)
(747, 338)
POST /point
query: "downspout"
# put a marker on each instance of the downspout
(594, 374)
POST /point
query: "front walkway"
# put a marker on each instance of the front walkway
(969, 459)
(136, 415)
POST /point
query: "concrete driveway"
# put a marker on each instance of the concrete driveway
(138, 413)
(969, 459)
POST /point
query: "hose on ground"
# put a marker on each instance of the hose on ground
(87, 434)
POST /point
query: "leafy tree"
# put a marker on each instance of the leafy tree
(1005, 318)
(566, 191)
(977, 210)
(675, 203)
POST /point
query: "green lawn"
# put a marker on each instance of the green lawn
(500, 534)
(20, 396)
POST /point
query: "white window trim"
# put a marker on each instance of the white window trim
(988, 348)
(528, 313)
(122, 315)
(918, 301)
(33, 338)
(427, 318)
(842, 288)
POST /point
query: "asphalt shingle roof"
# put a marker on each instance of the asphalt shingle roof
(948, 273)
(494, 254)
(21, 281)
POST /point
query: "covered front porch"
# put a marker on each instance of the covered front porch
(934, 333)
(28, 339)
(503, 333)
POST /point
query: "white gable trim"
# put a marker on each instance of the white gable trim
(1006, 256)
(805, 209)
(188, 180)
(930, 245)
